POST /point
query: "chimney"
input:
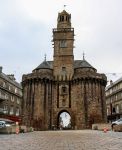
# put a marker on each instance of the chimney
(111, 82)
(11, 76)
(1, 68)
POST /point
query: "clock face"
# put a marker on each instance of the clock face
(63, 44)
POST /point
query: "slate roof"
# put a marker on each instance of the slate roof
(77, 64)
(5, 77)
(45, 65)
(64, 12)
(82, 64)
(114, 83)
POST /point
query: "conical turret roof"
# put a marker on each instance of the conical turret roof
(82, 64)
(44, 65)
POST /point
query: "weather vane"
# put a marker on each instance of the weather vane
(65, 6)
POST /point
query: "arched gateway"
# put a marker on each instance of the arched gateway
(64, 84)
(64, 120)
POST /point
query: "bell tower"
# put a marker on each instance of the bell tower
(63, 39)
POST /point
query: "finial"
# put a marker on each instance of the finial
(45, 57)
(83, 55)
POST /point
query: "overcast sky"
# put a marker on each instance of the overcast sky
(26, 33)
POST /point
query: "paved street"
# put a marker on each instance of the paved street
(62, 140)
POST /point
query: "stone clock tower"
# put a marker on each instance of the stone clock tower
(63, 38)
(63, 85)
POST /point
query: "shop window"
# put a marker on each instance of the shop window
(11, 110)
(5, 109)
(17, 112)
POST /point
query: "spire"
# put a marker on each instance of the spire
(45, 57)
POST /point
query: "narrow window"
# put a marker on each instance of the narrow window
(15, 90)
(64, 69)
(64, 90)
(114, 110)
(63, 102)
(62, 18)
(12, 98)
(4, 84)
(63, 44)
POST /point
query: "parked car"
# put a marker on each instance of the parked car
(6, 125)
(117, 122)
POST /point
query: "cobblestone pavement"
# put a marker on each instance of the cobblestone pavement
(62, 140)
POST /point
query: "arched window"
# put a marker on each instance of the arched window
(62, 18)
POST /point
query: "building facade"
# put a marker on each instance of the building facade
(10, 97)
(63, 85)
(114, 100)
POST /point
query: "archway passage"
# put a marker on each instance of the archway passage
(64, 120)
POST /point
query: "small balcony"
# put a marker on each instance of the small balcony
(63, 29)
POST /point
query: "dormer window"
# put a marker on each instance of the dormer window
(63, 44)
(11, 110)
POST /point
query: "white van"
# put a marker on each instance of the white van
(6, 125)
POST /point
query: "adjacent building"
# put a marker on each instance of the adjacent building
(63, 85)
(114, 100)
(10, 97)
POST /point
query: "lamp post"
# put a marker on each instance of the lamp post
(111, 108)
